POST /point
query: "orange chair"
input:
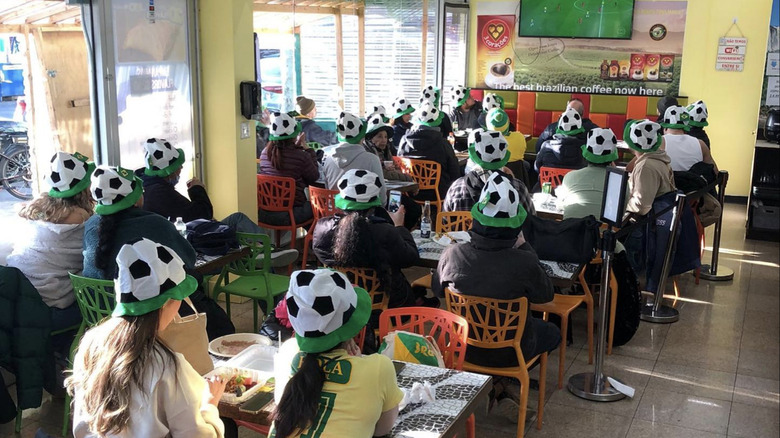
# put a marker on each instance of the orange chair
(277, 194)
(449, 331)
(323, 205)
(552, 174)
(499, 324)
(425, 173)
(563, 305)
(446, 221)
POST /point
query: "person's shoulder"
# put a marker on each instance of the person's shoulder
(376, 360)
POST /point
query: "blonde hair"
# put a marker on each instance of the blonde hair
(55, 210)
(110, 364)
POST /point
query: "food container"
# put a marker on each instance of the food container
(258, 377)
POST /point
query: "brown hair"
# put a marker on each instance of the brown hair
(56, 210)
(110, 364)
(275, 151)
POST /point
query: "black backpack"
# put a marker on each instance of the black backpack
(212, 238)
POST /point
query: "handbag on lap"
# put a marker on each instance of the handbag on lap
(187, 335)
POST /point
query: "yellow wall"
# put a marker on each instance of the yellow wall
(732, 98)
(227, 58)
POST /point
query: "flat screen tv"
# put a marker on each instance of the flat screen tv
(608, 19)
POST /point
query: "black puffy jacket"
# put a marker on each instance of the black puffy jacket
(562, 151)
(427, 143)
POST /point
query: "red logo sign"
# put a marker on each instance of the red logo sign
(495, 34)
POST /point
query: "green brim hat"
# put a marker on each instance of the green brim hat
(498, 120)
(148, 275)
(115, 189)
(283, 127)
(499, 204)
(488, 149)
(459, 95)
(70, 174)
(351, 128)
(428, 115)
(376, 123)
(643, 136)
(570, 123)
(359, 189)
(697, 113)
(401, 107)
(162, 159)
(325, 309)
(675, 117)
(601, 146)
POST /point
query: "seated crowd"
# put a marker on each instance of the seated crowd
(116, 224)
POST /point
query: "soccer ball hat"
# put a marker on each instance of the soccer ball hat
(491, 101)
(459, 95)
(358, 190)
(376, 123)
(379, 109)
(325, 309)
(69, 174)
(643, 136)
(148, 275)
(497, 120)
(283, 127)
(115, 189)
(601, 146)
(162, 159)
(488, 149)
(499, 204)
(401, 107)
(427, 114)
(675, 117)
(351, 128)
(570, 123)
(430, 94)
(698, 114)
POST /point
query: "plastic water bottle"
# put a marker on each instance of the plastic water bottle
(181, 227)
(425, 222)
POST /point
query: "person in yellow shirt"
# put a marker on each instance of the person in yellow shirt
(498, 120)
(333, 391)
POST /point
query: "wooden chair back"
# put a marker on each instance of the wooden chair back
(450, 331)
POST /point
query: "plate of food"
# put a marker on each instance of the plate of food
(242, 383)
(452, 237)
(231, 345)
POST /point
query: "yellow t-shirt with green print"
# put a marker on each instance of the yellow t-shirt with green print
(357, 390)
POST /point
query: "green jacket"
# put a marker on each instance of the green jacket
(25, 348)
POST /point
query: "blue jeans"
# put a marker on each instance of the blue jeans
(243, 224)
(62, 319)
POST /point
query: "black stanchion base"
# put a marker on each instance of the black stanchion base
(722, 274)
(583, 385)
(664, 314)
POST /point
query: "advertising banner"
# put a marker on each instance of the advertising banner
(646, 63)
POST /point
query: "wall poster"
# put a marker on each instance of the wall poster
(647, 64)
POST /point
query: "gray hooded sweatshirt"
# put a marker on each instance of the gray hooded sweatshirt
(344, 157)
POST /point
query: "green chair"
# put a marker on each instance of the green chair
(95, 298)
(256, 283)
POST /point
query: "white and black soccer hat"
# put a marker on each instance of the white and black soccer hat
(69, 174)
(283, 127)
(350, 128)
(601, 146)
(376, 123)
(162, 159)
(401, 106)
(499, 204)
(359, 189)
(430, 94)
(148, 275)
(459, 95)
(492, 101)
(675, 117)
(488, 149)
(697, 113)
(570, 123)
(115, 189)
(643, 135)
(428, 114)
(378, 109)
(325, 309)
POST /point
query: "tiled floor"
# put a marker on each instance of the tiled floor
(714, 373)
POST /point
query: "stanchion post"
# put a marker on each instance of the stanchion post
(658, 312)
(713, 272)
(595, 386)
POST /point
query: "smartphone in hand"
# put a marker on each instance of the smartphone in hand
(393, 201)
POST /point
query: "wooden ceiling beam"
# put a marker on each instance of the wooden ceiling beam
(22, 11)
(46, 13)
(71, 12)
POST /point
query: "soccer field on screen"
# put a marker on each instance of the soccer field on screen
(576, 19)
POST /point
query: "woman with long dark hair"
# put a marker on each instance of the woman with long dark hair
(333, 390)
(288, 155)
(126, 382)
(366, 235)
